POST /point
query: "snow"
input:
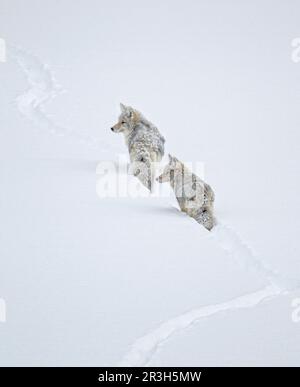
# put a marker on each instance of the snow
(104, 281)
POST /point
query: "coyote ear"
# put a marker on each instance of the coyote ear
(123, 108)
(130, 111)
(172, 159)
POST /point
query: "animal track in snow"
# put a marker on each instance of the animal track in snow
(144, 348)
(43, 88)
(241, 253)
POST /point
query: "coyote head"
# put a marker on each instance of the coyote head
(169, 170)
(128, 118)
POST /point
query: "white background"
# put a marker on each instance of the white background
(82, 277)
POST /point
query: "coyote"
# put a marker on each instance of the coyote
(194, 196)
(145, 143)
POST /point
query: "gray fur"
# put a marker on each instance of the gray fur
(194, 196)
(144, 142)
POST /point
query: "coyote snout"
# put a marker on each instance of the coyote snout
(119, 127)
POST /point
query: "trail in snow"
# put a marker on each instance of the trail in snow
(242, 254)
(43, 88)
(144, 348)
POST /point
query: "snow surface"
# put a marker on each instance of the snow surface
(97, 281)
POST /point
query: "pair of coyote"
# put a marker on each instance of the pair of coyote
(146, 147)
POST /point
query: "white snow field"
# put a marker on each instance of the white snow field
(87, 280)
